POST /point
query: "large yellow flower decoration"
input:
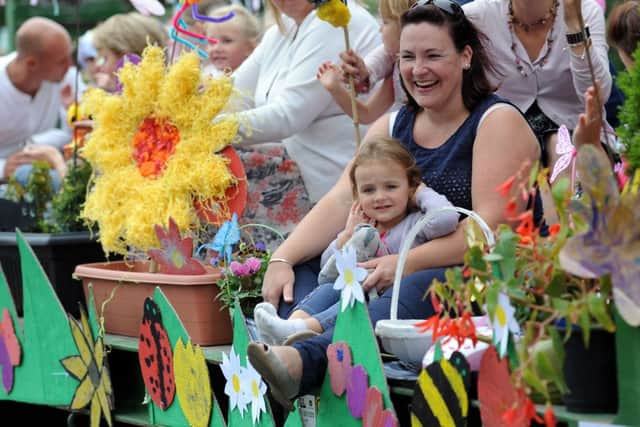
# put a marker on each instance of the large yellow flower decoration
(153, 150)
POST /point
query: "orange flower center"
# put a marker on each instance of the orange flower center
(153, 144)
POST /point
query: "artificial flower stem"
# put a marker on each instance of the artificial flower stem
(352, 93)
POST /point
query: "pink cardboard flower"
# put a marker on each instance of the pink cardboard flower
(339, 355)
(357, 385)
(253, 264)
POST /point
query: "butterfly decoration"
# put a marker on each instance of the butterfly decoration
(10, 351)
(156, 356)
(441, 396)
(228, 235)
(611, 243)
(148, 7)
(175, 255)
(89, 367)
(567, 153)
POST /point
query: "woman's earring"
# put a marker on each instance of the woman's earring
(467, 66)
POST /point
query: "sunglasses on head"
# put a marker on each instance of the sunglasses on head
(449, 7)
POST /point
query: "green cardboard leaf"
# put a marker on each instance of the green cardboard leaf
(45, 337)
(333, 410)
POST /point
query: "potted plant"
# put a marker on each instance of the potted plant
(52, 228)
(529, 284)
(161, 162)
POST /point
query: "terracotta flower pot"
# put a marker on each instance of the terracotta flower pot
(192, 296)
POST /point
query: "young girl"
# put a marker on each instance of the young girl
(378, 65)
(385, 181)
(236, 37)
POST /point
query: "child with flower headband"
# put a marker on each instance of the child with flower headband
(385, 181)
(378, 65)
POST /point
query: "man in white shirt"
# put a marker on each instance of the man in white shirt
(31, 80)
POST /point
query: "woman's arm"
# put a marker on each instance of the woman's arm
(594, 19)
(503, 143)
(301, 98)
(313, 234)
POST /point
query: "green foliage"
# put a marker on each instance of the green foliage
(69, 200)
(35, 197)
(629, 130)
(525, 267)
(241, 279)
(52, 213)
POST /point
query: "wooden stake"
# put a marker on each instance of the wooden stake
(352, 93)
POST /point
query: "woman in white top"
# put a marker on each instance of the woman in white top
(286, 104)
(540, 61)
(289, 103)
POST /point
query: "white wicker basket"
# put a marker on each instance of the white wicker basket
(399, 336)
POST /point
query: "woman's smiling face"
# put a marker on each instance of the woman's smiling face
(430, 65)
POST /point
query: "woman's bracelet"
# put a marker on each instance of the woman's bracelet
(286, 261)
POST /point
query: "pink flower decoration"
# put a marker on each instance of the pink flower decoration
(253, 264)
(375, 415)
(357, 385)
(239, 269)
(339, 356)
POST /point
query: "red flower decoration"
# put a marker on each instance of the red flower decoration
(153, 144)
(175, 255)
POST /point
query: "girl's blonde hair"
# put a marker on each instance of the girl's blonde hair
(394, 8)
(388, 150)
(246, 20)
(129, 33)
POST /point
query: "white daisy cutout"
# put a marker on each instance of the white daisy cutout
(233, 373)
(350, 277)
(255, 389)
(503, 323)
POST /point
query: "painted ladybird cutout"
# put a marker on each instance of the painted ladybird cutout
(156, 357)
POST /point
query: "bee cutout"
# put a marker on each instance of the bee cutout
(440, 397)
(156, 357)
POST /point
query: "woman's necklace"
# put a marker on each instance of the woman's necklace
(550, 15)
(512, 20)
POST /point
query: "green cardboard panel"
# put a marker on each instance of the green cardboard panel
(294, 419)
(240, 343)
(173, 415)
(45, 337)
(354, 327)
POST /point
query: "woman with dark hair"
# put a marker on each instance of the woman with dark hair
(623, 30)
(466, 142)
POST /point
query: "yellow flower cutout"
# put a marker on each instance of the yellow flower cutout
(192, 383)
(89, 368)
(153, 150)
(335, 12)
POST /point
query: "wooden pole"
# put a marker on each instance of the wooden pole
(352, 93)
